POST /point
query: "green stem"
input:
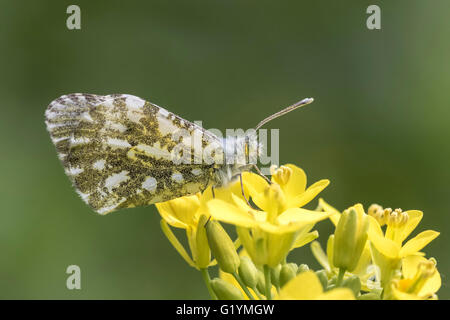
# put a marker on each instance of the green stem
(340, 277)
(243, 286)
(258, 294)
(207, 279)
(268, 282)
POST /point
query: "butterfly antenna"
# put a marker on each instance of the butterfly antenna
(299, 104)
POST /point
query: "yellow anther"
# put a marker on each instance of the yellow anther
(396, 218)
(377, 211)
(427, 269)
(281, 175)
(273, 169)
(373, 209)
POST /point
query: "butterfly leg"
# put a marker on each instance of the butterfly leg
(261, 174)
(212, 191)
(242, 190)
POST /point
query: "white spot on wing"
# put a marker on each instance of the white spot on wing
(56, 140)
(99, 164)
(107, 209)
(150, 184)
(134, 102)
(154, 151)
(86, 117)
(73, 171)
(116, 179)
(177, 177)
(77, 141)
(196, 171)
(118, 143)
(166, 126)
(116, 126)
(163, 112)
(84, 196)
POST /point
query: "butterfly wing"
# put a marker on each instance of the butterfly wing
(121, 151)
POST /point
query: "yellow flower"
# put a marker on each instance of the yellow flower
(187, 213)
(420, 279)
(306, 286)
(270, 233)
(191, 213)
(387, 247)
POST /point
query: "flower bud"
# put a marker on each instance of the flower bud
(369, 296)
(225, 290)
(248, 272)
(322, 275)
(302, 268)
(353, 283)
(275, 275)
(203, 254)
(288, 271)
(350, 238)
(261, 284)
(222, 247)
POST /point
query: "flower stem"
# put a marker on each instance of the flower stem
(243, 286)
(340, 277)
(258, 294)
(207, 279)
(268, 282)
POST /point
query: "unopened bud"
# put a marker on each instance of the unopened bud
(222, 247)
(203, 254)
(275, 275)
(322, 275)
(261, 284)
(353, 283)
(369, 296)
(350, 238)
(288, 272)
(225, 290)
(248, 272)
(302, 268)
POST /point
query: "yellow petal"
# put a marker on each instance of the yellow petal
(364, 262)
(410, 265)
(179, 212)
(301, 199)
(418, 242)
(293, 220)
(414, 217)
(320, 255)
(297, 182)
(337, 294)
(387, 247)
(399, 295)
(176, 244)
(374, 227)
(335, 214)
(305, 239)
(253, 183)
(303, 216)
(228, 213)
(305, 286)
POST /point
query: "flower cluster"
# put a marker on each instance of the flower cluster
(367, 257)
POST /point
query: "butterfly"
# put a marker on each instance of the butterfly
(121, 151)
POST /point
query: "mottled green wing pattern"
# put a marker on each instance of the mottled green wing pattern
(121, 151)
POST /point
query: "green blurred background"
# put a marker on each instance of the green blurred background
(378, 128)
